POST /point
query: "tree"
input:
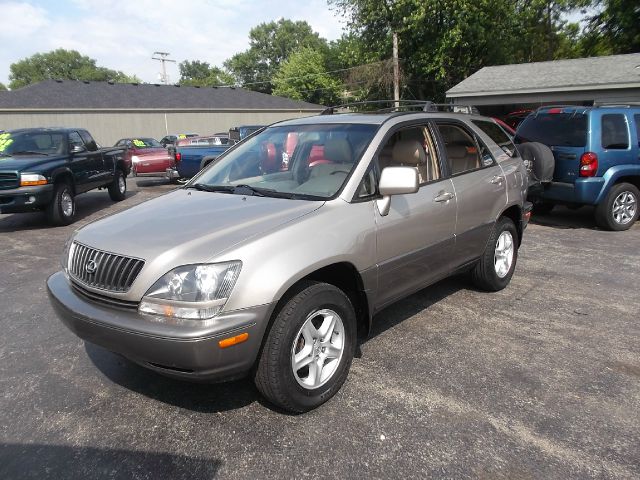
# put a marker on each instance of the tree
(614, 30)
(2, 86)
(303, 76)
(269, 45)
(201, 74)
(63, 64)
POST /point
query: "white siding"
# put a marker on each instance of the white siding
(109, 126)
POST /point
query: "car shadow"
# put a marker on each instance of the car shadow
(567, 218)
(40, 461)
(152, 182)
(198, 397)
(86, 205)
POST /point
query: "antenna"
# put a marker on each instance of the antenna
(164, 78)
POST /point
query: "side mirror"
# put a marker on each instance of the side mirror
(396, 181)
(78, 148)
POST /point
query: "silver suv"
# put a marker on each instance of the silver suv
(271, 260)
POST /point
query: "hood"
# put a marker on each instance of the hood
(22, 163)
(189, 226)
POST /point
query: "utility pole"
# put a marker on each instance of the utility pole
(163, 59)
(396, 72)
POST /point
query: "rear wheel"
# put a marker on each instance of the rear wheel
(118, 188)
(495, 268)
(62, 209)
(309, 349)
(619, 210)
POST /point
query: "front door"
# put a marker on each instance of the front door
(415, 240)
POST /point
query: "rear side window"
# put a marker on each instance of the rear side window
(498, 135)
(614, 132)
(461, 148)
(636, 119)
(554, 129)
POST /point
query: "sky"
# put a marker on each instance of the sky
(122, 35)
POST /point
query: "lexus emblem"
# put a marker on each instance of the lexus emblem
(91, 267)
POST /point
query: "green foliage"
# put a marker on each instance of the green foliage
(303, 76)
(200, 74)
(614, 30)
(2, 86)
(269, 45)
(61, 64)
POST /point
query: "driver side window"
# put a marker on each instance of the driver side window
(75, 140)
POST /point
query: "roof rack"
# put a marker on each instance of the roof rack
(619, 105)
(399, 105)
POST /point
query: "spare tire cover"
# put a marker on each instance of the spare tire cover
(539, 161)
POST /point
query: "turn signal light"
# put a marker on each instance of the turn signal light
(229, 342)
(588, 164)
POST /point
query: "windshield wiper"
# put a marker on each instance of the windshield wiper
(29, 152)
(203, 187)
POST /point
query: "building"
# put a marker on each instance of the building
(111, 111)
(583, 81)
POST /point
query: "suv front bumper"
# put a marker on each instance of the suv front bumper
(188, 351)
(25, 199)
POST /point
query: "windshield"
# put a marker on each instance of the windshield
(554, 129)
(146, 143)
(31, 143)
(299, 161)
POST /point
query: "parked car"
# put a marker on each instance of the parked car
(514, 119)
(190, 159)
(147, 156)
(169, 140)
(505, 127)
(593, 155)
(236, 134)
(217, 139)
(45, 168)
(274, 273)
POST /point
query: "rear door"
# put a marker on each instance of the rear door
(562, 130)
(479, 186)
(415, 240)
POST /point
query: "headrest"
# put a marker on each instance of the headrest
(456, 151)
(408, 152)
(338, 150)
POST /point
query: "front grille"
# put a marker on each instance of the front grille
(103, 299)
(8, 180)
(103, 270)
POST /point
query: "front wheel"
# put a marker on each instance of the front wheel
(118, 188)
(495, 268)
(62, 209)
(309, 349)
(619, 210)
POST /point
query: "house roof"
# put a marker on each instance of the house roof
(79, 95)
(595, 73)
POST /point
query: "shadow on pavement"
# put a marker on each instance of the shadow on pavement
(86, 204)
(199, 397)
(567, 218)
(38, 461)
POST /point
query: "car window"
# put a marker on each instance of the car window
(89, 142)
(614, 135)
(412, 147)
(48, 143)
(554, 129)
(498, 135)
(75, 140)
(462, 150)
(636, 119)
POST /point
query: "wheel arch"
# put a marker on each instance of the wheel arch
(64, 174)
(514, 212)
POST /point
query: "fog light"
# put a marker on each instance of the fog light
(31, 199)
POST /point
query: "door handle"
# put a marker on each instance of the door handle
(497, 180)
(444, 197)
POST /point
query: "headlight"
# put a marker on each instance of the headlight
(135, 159)
(193, 291)
(31, 179)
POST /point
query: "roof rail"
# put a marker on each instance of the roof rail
(422, 105)
(619, 105)
(561, 106)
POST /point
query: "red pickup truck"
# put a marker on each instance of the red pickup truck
(147, 156)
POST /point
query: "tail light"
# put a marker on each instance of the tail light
(588, 164)
(178, 156)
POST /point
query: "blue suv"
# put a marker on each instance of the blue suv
(595, 156)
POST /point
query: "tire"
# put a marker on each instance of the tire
(620, 209)
(539, 162)
(311, 306)
(62, 209)
(490, 273)
(206, 161)
(118, 187)
(543, 208)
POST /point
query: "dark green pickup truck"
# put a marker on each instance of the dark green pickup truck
(45, 168)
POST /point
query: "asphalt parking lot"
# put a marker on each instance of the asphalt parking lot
(541, 380)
